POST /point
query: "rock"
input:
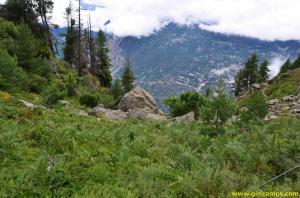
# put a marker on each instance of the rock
(285, 109)
(83, 113)
(138, 98)
(98, 110)
(27, 104)
(157, 117)
(256, 86)
(288, 98)
(295, 111)
(32, 106)
(108, 113)
(296, 106)
(142, 114)
(271, 117)
(185, 118)
(64, 103)
(272, 102)
(116, 115)
(137, 113)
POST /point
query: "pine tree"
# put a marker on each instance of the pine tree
(251, 69)
(44, 8)
(264, 71)
(296, 63)
(240, 82)
(69, 49)
(285, 67)
(116, 89)
(80, 64)
(103, 61)
(128, 77)
(34, 13)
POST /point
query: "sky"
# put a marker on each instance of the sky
(262, 19)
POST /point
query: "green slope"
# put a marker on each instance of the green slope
(61, 154)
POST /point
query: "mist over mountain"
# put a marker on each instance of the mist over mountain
(182, 58)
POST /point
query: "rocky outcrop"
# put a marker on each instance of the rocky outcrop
(137, 104)
(138, 98)
(286, 106)
(190, 117)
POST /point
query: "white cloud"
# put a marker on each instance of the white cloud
(263, 19)
(275, 65)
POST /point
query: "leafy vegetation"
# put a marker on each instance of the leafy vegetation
(58, 154)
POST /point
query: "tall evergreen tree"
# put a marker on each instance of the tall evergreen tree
(286, 66)
(69, 49)
(296, 63)
(103, 61)
(44, 9)
(251, 69)
(116, 89)
(240, 82)
(34, 13)
(128, 77)
(264, 71)
(70, 36)
(21, 11)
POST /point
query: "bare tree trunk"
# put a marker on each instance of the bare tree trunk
(80, 69)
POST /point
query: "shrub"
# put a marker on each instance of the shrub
(218, 108)
(185, 103)
(88, 100)
(4, 96)
(37, 83)
(52, 94)
(11, 76)
(257, 108)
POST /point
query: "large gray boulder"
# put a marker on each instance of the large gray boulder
(138, 98)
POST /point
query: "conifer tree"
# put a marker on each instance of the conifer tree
(103, 61)
(69, 49)
(296, 63)
(116, 89)
(128, 77)
(251, 69)
(44, 9)
(286, 66)
(264, 71)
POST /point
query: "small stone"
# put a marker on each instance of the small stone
(272, 102)
(83, 113)
(295, 111)
(190, 117)
(288, 98)
(256, 86)
(64, 103)
(27, 104)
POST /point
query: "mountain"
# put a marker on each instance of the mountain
(181, 58)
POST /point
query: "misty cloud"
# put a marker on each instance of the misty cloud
(263, 19)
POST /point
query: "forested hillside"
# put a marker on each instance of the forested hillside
(67, 129)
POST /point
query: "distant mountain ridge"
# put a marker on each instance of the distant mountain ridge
(181, 58)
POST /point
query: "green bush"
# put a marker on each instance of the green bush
(256, 108)
(88, 100)
(217, 108)
(52, 93)
(12, 77)
(185, 103)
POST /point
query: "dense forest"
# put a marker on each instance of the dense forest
(52, 144)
